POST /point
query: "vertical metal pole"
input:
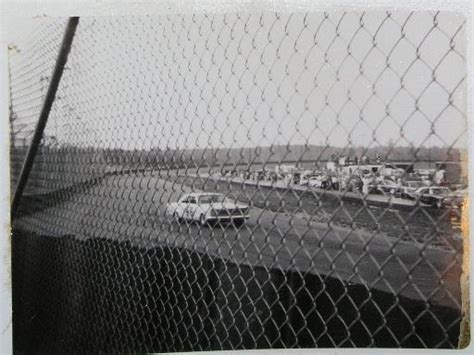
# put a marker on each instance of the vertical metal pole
(46, 109)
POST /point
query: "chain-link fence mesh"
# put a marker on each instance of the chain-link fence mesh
(242, 181)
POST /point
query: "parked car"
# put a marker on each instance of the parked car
(436, 196)
(207, 208)
(315, 181)
(296, 178)
(408, 190)
(318, 181)
(353, 183)
(385, 187)
(458, 198)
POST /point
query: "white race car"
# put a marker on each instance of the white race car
(207, 208)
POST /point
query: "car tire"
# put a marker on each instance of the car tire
(437, 203)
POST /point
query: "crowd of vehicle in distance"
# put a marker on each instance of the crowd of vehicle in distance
(435, 196)
(207, 209)
(446, 180)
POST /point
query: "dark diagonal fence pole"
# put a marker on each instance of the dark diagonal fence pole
(46, 109)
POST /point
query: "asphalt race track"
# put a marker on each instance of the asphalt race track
(131, 208)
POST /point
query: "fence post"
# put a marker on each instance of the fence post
(46, 109)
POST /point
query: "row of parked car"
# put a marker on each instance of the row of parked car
(414, 186)
(436, 196)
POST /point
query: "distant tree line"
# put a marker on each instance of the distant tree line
(58, 156)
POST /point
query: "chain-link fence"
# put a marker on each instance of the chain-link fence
(241, 181)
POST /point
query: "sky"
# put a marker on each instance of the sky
(244, 80)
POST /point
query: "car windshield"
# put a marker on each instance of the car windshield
(441, 191)
(211, 198)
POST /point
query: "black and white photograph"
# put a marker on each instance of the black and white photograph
(236, 180)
